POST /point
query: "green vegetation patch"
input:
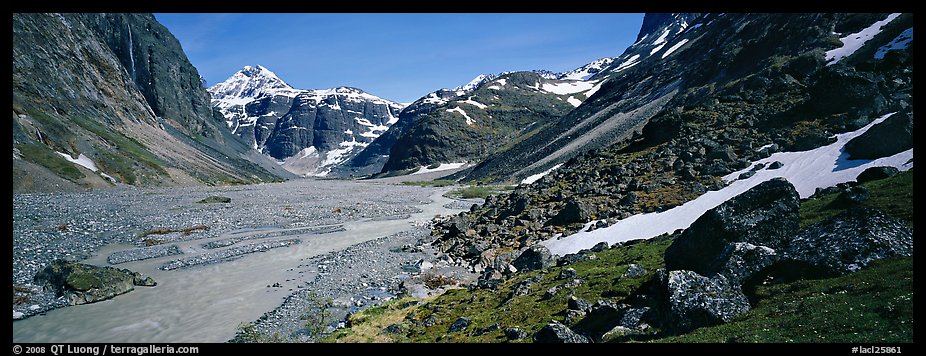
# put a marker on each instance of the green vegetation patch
(45, 157)
(893, 195)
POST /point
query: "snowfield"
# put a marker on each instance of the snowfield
(535, 177)
(441, 167)
(853, 42)
(806, 170)
(469, 120)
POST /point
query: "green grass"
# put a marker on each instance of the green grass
(431, 183)
(893, 195)
(486, 307)
(131, 152)
(872, 305)
(44, 157)
(479, 191)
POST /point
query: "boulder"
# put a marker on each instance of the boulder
(215, 199)
(82, 283)
(634, 270)
(515, 333)
(851, 197)
(697, 301)
(850, 241)
(876, 173)
(766, 215)
(533, 258)
(742, 260)
(776, 165)
(575, 211)
(459, 325)
(891, 136)
(601, 246)
(556, 333)
(576, 303)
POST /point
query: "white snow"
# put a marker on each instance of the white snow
(472, 83)
(566, 88)
(764, 147)
(662, 38)
(81, 160)
(853, 42)
(18, 315)
(656, 49)
(594, 89)
(575, 102)
(630, 62)
(474, 103)
(494, 87)
(502, 81)
(583, 73)
(441, 167)
(806, 170)
(306, 152)
(902, 41)
(535, 177)
(349, 132)
(675, 47)
(469, 121)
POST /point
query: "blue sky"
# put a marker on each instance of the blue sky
(400, 57)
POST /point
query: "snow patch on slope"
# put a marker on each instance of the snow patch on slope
(902, 41)
(675, 47)
(567, 88)
(853, 42)
(807, 170)
(441, 167)
(469, 120)
(535, 177)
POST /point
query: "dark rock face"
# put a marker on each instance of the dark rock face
(534, 258)
(82, 284)
(872, 144)
(556, 333)
(515, 333)
(876, 173)
(700, 301)
(850, 241)
(766, 215)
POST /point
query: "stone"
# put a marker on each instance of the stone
(746, 175)
(81, 283)
(697, 301)
(743, 260)
(459, 325)
(550, 293)
(568, 273)
(393, 329)
(574, 211)
(515, 333)
(849, 241)
(572, 316)
(215, 199)
(533, 258)
(765, 215)
(876, 173)
(557, 333)
(851, 197)
(776, 165)
(601, 246)
(576, 303)
(634, 270)
(891, 136)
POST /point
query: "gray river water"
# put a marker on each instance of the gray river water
(204, 303)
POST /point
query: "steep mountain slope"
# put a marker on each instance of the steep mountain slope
(311, 131)
(471, 124)
(763, 84)
(115, 94)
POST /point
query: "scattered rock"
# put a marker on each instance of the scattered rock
(393, 329)
(459, 325)
(574, 211)
(775, 165)
(568, 273)
(876, 173)
(572, 316)
(851, 197)
(746, 175)
(601, 246)
(634, 270)
(575, 303)
(557, 333)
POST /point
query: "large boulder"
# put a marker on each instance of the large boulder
(766, 215)
(533, 258)
(574, 211)
(876, 173)
(848, 242)
(891, 136)
(697, 301)
(82, 283)
(556, 333)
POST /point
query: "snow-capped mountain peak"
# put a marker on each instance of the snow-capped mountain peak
(248, 83)
(479, 79)
(587, 71)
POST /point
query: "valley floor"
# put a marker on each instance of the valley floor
(304, 230)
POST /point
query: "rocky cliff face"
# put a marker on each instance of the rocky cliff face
(312, 131)
(103, 98)
(667, 134)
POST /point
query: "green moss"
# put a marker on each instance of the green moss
(83, 280)
(893, 195)
(43, 156)
(872, 305)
